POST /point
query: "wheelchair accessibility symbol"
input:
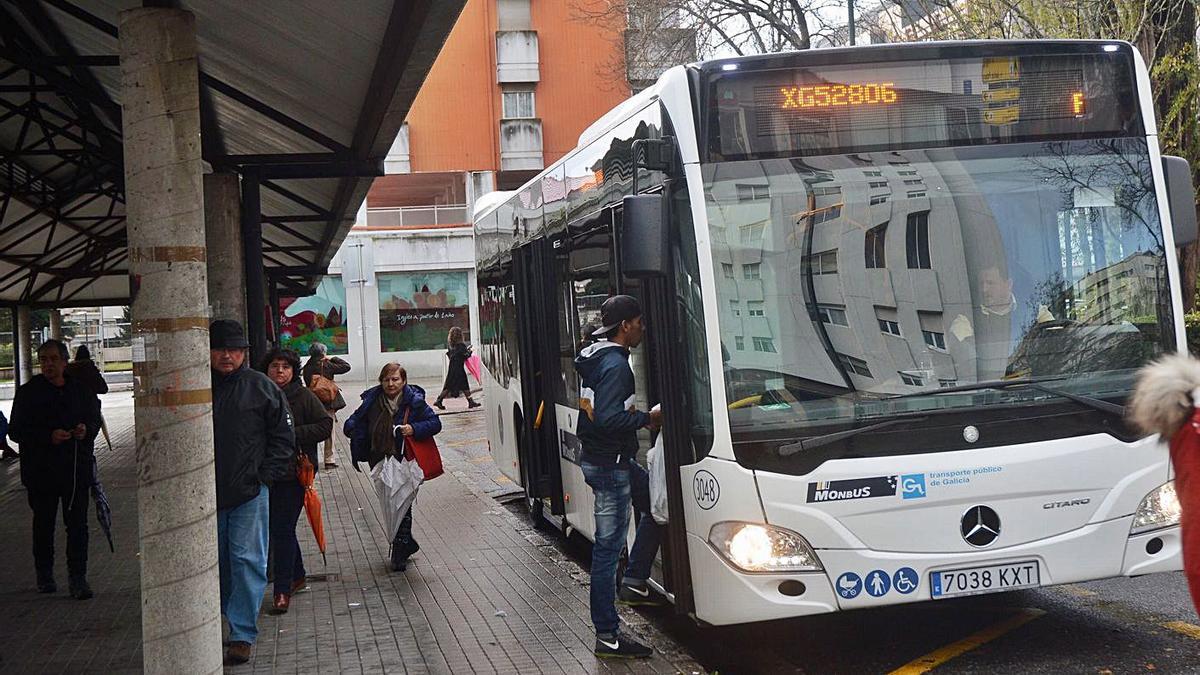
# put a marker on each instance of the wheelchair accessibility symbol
(905, 580)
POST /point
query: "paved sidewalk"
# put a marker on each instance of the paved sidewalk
(485, 594)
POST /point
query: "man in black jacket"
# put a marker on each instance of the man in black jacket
(608, 432)
(254, 443)
(55, 420)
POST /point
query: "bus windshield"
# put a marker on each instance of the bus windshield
(852, 287)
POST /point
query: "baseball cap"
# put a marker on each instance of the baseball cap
(616, 309)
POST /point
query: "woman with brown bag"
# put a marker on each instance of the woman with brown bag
(327, 367)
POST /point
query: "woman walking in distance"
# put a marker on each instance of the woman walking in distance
(456, 376)
(311, 425)
(319, 363)
(388, 414)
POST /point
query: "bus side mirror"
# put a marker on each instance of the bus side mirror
(644, 243)
(1181, 198)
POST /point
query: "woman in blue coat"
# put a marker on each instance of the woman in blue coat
(377, 429)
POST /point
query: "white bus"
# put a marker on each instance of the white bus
(896, 298)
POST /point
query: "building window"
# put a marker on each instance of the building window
(914, 181)
(739, 343)
(821, 263)
(916, 194)
(727, 270)
(878, 199)
(853, 365)
(735, 308)
(911, 380)
(824, 215)
(906, 172)
(890, 327)
(751, 271)
(946, 384)
(762, 344)
(832, 315)
(877, 184)
(874, 173)
(752, 193)
(755, 308)
(934, 339)
(518, 105)
(873, 246)
(827, 191)
(752, 235)
(918, 241)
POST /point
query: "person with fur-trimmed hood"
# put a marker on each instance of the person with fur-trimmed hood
(1166, 401)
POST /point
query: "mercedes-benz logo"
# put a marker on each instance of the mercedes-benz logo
(980, 526)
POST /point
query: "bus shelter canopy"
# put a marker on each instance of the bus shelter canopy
(307, 95)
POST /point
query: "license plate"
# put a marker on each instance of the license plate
(985, 579)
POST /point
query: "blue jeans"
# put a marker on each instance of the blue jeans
(613, 487)
(242, 552)
(287, 501)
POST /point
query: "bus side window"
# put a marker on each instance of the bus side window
(587, 282)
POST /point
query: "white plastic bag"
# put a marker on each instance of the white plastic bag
(658, 481)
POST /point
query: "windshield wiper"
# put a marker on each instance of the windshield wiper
(1032, 383)
(825, 439)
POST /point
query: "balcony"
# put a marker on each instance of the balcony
(517, 57)
(411, 217)
(521, 145)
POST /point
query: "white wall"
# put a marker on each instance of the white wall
(398, 251)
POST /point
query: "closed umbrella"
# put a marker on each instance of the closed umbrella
(103, 510)
(312, 501)
(396, 483)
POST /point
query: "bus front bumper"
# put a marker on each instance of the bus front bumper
(726, 595)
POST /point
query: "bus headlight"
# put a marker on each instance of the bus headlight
(1159, 509)
(762, 548)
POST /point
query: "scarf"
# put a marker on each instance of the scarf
(383, 437)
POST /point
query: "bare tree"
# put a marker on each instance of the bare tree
(661, 33)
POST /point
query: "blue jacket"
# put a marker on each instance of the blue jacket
(608, 426)
(424, 421)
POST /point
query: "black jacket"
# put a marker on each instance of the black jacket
(311, 423)
(252, 435)
(608, 426)
(456, 374)
(38, 409)
(85, 371)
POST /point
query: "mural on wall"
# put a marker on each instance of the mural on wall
(320, 317)
(418, 309)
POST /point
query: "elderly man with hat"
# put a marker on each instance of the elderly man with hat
(254, 443)
(608, 432)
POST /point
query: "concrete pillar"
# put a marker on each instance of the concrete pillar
(56, 324)
(181, 624)
(24, 330)
(223, 234)
(256, 290)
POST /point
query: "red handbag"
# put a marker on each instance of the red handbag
(425, 451)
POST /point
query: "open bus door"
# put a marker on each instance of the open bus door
(644, 253)
(537, 441)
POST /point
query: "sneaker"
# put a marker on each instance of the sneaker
(80, 590)
(638, 596)
(621, 647)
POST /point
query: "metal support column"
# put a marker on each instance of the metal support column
(256, 330)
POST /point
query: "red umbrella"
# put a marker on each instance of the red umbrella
(312, 501)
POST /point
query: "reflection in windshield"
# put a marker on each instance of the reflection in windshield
(851, 278)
